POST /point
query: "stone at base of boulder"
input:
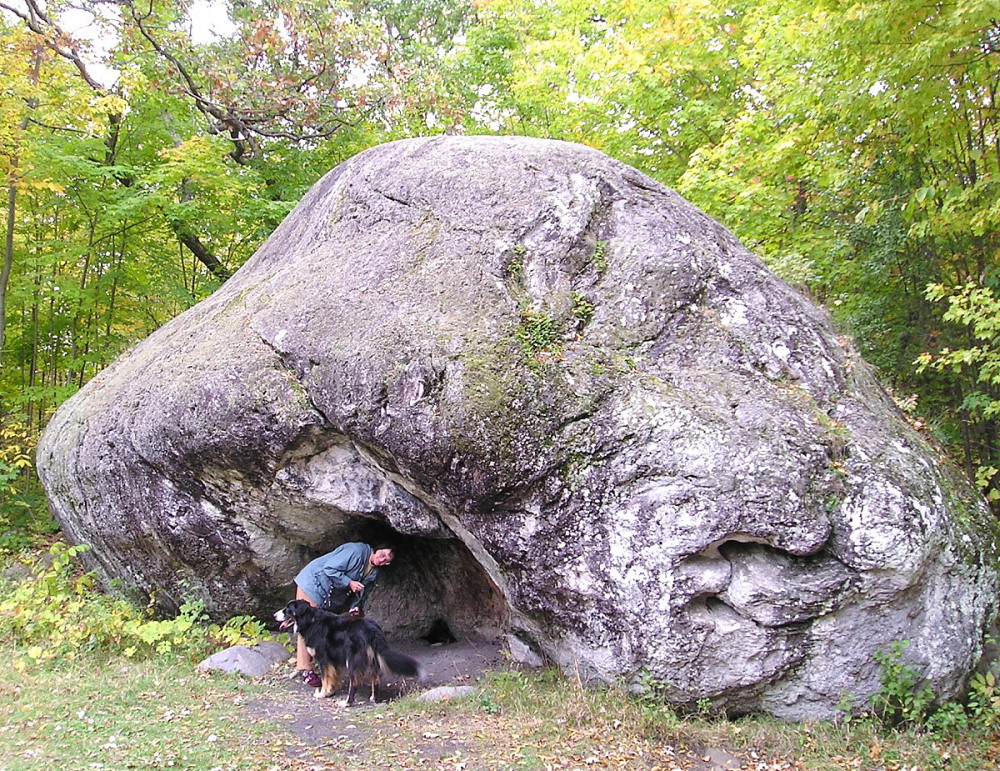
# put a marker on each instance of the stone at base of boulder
(250, 661)
(523, 653)
(448, 692)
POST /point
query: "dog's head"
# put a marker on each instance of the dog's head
(291, 613)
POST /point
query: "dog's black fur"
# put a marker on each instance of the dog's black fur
(345, 647)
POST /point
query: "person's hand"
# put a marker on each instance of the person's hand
(356, 586)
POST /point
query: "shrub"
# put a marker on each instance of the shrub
(904, 701)
(24, 514)
(58, 612)
(901, 700)
(984, 699)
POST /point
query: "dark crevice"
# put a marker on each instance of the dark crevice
(394, 199)
(298, 374)
(714, 550)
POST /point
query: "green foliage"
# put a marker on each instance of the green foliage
(976, 309)
(515, 268)
(167, 635)
(984, 699)
(24, 515)
(846, 706)
(133, 202)
(950, 719)
(583, 309)
(240, 630)
(649, 692)
(902, 699)
(57, 613)
(16, 447)
(487, 703)
(601, 256)
(507, 689)
(537, 332)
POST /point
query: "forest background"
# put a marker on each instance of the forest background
(853, 146)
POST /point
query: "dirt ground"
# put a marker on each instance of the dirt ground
(324, 723)
(324, 728)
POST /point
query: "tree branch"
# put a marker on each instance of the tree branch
(199, 250)
(54, 38)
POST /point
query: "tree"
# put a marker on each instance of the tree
(977, 309)
(647, 85)
(876, 129)
(21, 62)
(138, 194)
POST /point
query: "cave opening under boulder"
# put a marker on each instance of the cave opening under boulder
(432, 585)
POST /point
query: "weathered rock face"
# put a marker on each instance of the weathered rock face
(589, 416)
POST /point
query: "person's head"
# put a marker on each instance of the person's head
(383, 555)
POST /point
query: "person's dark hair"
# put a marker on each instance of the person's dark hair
(386, 545)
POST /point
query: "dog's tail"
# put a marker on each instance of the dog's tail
(400, 664)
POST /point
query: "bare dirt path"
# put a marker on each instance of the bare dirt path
(324, 725)
(322, 734)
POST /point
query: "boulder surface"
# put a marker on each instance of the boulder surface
(589, 417)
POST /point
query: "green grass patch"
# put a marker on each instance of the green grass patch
(117, 713)
(112, 712)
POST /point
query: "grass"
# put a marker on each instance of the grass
(98, 713)
(542, 721)
(517, 721)
(546, 721)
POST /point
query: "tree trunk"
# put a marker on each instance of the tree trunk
(8, 243)
(8, 255)
(8, 250)
(199, 250)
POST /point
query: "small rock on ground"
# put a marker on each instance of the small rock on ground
(250, 661)
(720, 760)
(448, 692)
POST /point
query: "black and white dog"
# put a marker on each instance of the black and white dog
(345, 647)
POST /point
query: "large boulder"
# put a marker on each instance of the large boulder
(592, 420)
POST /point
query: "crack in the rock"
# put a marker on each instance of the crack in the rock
(394, 199)
(297, 375)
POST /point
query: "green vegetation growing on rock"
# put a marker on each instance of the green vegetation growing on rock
(601, 256)
(515, 268)
(583, 309)
(537, 332)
